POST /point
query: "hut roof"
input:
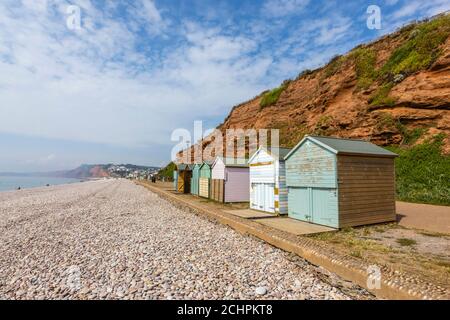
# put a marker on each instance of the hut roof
(184, 167)
(346, 146)
(278, 153)
(233, 162)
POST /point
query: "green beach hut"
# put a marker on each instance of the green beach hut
(195, 179)
(204, 180)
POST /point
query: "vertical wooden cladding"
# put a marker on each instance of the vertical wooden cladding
(230, 180)
(203, 187)
(204, 180)
(268, 191)
(175, 180)
(184, 179)
(194, 179)
(217, 190)
(237, 184)
(366, 190)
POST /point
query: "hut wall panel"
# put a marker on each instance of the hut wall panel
(282, 197)
(184, 182)
(217, 190)
(175, 180)
(194, 180)
(237, 184)
(204, 187)
(218, 171)
(180, 186)
(366, 190)
(262, 168)
(311, 166)
(205, 172)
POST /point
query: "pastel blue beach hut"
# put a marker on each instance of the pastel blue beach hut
(175, 179)
(340, 182)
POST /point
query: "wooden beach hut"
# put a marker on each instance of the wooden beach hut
(268, 190)
(175, 179)
(340, 182)
(194, 179)
(184, 178)
(204, 180)
(230, 180)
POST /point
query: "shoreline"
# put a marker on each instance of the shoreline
(12, 183)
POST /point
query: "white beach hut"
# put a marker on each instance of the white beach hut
(268, 190)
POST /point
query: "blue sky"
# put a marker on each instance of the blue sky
(115, 89)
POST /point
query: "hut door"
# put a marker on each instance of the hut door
(317, 205)
(181, 182)
(324, 206)
(262, 197)
(299, 204)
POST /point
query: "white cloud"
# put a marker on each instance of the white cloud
(94, 84)
(412, 10)
(426, 8)
(391, 2)
(280, 8)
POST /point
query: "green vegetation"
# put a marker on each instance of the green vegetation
(167, 171)
(381, 96)
(365, 60)
(410, 136)
(420, 50)
(271, 97)
(386, 121)
(304, 73)
(405, 242)
(334, 66)
(423, 172)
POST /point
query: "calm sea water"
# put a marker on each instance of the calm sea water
(12, 183)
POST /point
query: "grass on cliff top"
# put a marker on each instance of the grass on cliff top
(271, 97)
(423, 172)
(420, 50)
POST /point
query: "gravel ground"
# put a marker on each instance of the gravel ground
(115, 240)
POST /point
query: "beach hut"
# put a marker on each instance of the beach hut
(230, 180)
(268, 190)
(175, 179)
(184, 178)
(194, 179)
(340, 182)
(204, 179)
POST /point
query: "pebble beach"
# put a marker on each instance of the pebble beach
(112, 239)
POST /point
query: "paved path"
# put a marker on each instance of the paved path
(114, 239)
(424, 216)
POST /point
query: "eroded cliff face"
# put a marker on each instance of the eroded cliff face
(340, 98)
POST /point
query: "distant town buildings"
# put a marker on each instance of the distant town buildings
(132, 172)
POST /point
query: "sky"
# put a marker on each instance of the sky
(91, 81)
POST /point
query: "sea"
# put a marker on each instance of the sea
(8, 183)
